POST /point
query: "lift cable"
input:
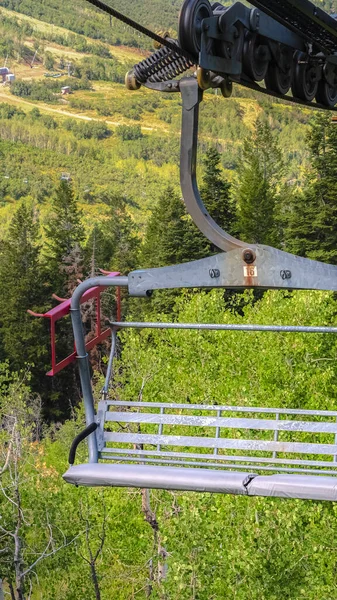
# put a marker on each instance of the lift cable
(144, 30)
(178, 51)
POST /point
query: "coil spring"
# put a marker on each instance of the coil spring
(162, 65)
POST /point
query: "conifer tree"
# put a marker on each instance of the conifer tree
(171, 236)
(114, 242)
(64, 234)
(215, 192)
(311, 218)
(24, 339)
(256, 192)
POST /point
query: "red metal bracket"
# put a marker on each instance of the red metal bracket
(63, 309)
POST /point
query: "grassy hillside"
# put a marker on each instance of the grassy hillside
(105, 137)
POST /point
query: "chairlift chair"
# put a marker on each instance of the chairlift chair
(280, 452)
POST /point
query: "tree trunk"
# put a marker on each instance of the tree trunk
(95, 581)
(11, 589)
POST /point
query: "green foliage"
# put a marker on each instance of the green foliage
(48, 61)
(215, 192)
(113, 243)
(129, 132)
(87, 130)
(64, 233)
(171, 236)
(23, 338)
(311, 218)
(258, 173)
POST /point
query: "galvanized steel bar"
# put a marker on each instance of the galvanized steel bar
(82, 356)
(191, 96)
(220, 457)
(235, 444)
(277, 416)
(219, 466)
(160, 428)
(225, 327)
(105, 389)
(223, 422)
(225, 408)
(217, 432)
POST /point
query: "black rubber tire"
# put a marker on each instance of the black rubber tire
(277, 81)
(253, 64)
(191, 14)
(302, 86)
(326, 94)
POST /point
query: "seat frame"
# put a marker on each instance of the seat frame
(239, 267)
(208, 448)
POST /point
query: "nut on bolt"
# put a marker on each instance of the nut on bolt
(248, 256)
(131, 82)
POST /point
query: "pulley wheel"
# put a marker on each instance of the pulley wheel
(203, 78)
(304, 81)
(278, 81)
(255, 57)
(326, 94)
(191, 15)
(226, 88)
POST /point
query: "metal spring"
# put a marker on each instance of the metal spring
(162, 65)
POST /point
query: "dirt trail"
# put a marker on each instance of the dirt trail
(66, 113)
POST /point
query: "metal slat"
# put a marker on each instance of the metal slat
(220, 457)
(201, 464)
(224, 327)
(223, 422)
(254, 445)
(228, 408)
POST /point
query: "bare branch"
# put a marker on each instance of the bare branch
(46, 554)
(6, 531)
(6, 463)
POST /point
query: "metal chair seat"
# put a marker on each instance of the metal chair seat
(212, 448)
(203, 480)
(148, 476)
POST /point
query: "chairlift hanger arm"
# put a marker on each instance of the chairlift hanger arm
(191, 97)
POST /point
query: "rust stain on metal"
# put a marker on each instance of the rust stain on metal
(250, 275)
(249, 269)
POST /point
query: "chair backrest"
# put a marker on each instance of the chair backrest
(225, 437)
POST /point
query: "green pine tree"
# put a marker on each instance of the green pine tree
(64, 235)
(24, 339)
(215, 192)
(114, 242)
(171, 236)
(256, 192)
(311, 218)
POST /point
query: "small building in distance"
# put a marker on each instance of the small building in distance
(65, 90)
(10, 77)
(4, 71)
(65, 177)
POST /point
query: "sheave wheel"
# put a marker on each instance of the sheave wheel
(326, 94)
(277, 80)
(191, 15)
(304, 82)
(255, 57)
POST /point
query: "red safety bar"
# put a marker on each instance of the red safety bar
(63, 309)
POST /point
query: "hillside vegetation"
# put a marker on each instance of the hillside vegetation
(90, 180)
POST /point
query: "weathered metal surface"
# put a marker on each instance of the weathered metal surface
(270, 263)
(223, 408)
(223, 422)
(273, 464)
(224, 327)
(208, 442)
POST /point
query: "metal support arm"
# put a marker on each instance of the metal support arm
(192, 96)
